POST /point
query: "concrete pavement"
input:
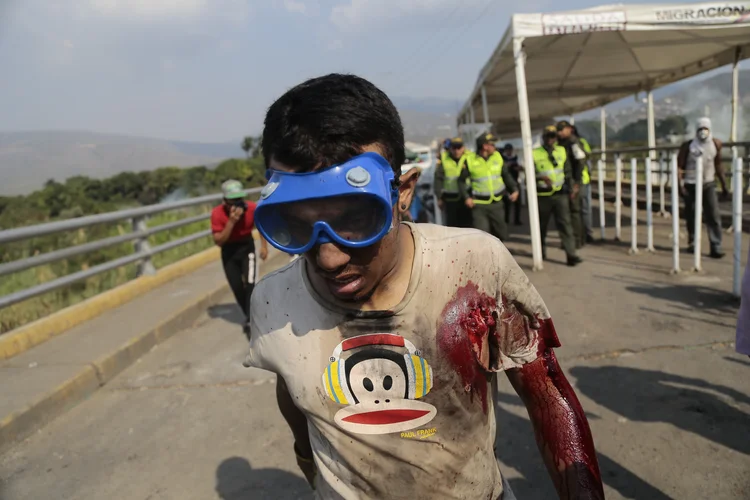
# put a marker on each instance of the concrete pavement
(650, 355)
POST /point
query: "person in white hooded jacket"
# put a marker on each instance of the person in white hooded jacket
(705, 146)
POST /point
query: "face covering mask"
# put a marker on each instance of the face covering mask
(703, 134)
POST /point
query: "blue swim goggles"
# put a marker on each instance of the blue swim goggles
(350, 204)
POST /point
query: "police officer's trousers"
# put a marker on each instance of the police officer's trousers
(490, 218)
(457, 214)
(576, 219)
(558, 205)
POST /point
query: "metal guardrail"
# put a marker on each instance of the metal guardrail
(139, 235)
(667, 157)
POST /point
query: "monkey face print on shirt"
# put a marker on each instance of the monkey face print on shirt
(380, 386)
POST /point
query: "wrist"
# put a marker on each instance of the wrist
(305, 455)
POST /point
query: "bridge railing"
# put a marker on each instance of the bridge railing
(659, 165)
(142, 250)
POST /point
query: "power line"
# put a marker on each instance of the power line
(466, 26)
(447, 21)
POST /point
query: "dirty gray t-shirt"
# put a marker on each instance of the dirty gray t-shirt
(398, 403)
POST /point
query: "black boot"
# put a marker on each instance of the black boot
(574, 260)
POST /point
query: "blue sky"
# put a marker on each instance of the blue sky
(206, 70)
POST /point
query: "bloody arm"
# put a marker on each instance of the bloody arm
(560, 425)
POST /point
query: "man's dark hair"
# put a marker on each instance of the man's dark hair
(329, 119)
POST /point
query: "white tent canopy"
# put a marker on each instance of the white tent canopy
(579, 60)
(557, 64)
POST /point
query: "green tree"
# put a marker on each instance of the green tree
(248, 145)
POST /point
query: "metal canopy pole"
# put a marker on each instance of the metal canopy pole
(485, 110)
(698, 232)
(735, 98)
(604, 133)
(737, 183)
(528, 160)
(675, 214)
(651, 125)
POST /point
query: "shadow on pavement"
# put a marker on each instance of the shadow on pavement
(228, 312)
(516, 447)
(237, 480)
(738, 361)
(694, 296)
(654, 396)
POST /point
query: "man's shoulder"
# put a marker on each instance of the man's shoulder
(275, 285)
(463, 239)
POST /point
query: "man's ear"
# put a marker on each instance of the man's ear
(406, 189)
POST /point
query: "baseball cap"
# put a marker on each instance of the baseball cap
(508, 146)
(457, 142)
(551, 129)
(232, 189)
(485, 139)
(562, 124)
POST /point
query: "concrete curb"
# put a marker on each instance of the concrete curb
(90, 378)
(24, 338)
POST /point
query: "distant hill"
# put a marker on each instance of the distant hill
(28, 159)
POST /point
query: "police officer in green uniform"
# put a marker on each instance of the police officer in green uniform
(554, 181)
(588, 236)
(447, 173)
(489, 183)
(577, 159)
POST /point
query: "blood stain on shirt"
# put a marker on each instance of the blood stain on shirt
(466, 329)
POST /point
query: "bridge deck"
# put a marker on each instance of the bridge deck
(650, 355)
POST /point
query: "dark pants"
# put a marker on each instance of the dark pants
(711, 214)
(586, 210)
(515, 207)
(457, 214)
(238, 260)
(558, 205)
(490, 218)
(576, 220)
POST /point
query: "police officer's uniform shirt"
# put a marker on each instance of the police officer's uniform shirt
(399, 403)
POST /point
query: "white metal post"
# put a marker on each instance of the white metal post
(604, 137)
(633, 206)
(675, 215)
(528, 160)
(485, 109)
(618, 197)
(600, 180)
(651, 124)
(471, 117)
(735, 95)
(697, 233)
(663, 176)
(649, 211)
(438, 211)
(737, 227)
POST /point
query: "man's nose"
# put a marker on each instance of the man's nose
(331, 258)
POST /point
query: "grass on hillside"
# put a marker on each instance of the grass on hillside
(32, 309)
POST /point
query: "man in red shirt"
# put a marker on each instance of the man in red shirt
(232, 225)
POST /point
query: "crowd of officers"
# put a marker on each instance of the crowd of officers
(481, 189)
